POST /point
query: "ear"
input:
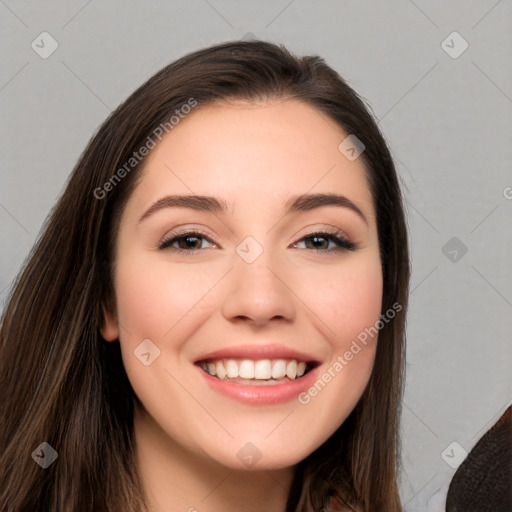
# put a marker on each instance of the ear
(109, 329)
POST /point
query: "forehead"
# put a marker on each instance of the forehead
(244, 152)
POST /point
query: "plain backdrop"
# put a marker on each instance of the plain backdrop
(445, 109)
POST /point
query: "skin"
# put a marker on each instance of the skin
(253, 156)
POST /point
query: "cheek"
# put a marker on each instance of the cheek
(347, 299)
(153, 297)
(349, 305)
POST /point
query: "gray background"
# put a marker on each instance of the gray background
(448, 121)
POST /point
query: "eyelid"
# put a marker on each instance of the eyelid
(183, 232)
(342, 241)
(331, 230)
(327, 229)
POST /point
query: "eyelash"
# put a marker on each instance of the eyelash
(343, 244)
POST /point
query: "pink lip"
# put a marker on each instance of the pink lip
(258, 352)
(261, 395)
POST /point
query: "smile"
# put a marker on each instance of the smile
(258, 375)
(256, 372)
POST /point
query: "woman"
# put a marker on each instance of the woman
(196, 328)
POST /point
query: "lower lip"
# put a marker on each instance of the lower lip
(261, 395)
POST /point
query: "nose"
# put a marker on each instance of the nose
(259, 292)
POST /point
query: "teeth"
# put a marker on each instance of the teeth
(220, 371)
(264, 369)
(232, 369)
(291, 370)
(246, 370)
(279, 369)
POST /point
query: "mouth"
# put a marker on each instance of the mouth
(258, 375)
(257, 372)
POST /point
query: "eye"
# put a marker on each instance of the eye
(188, 242)
(320, 242)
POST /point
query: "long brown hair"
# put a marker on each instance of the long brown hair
(63, 385)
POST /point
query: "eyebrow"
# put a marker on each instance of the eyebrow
(295, 204)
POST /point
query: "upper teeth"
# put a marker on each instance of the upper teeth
(263, 369)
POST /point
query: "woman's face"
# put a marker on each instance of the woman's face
(252, 294)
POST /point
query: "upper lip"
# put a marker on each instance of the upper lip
(258, 352)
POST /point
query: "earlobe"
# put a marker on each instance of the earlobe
(109, 329)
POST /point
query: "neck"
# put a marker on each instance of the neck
(175, 479)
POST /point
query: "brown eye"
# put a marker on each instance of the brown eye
(187, 242)
(320, 242)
